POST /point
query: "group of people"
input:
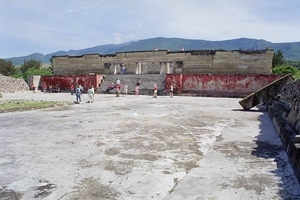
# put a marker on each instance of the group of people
(137, 89)
(79, 91)
(125, 90)
(50, 88)
(91, 91)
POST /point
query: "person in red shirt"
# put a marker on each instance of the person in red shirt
(45, 87)
(72, 89)
(33, 87)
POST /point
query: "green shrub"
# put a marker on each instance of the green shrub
(287, 70)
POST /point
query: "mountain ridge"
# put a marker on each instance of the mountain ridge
(291, 50)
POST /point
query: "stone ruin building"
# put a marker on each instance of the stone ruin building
(205, 71)
(167, 62)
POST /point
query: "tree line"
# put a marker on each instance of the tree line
(30, 67)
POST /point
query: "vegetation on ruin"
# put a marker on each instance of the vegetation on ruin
(22, 105)
(280, 66)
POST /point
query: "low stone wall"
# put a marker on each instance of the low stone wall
(284, 110)
(9, 84)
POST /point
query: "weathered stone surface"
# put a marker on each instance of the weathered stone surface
(167, 62)
(285, 113)
(147, 82)
(142, 148)
(11, 85)
(265, 94)
(290, 97)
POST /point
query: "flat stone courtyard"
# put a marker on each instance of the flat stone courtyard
(141, 148)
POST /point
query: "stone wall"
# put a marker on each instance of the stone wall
(9, 84)
(36, 80)
(285, 113)
(167, 62)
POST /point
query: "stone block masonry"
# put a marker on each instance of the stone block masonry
(285, 113)
(167, 62)
(147, 82)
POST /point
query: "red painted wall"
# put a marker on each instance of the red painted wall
(218, 85)
(66, 81)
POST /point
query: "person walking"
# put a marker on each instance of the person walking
(72, 89)
(78, 94)
(171, 91)
(91, 94)
(154, 91)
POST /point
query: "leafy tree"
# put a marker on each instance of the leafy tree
(278, 59)
(50, 68)
(17, 73)
(30, 64)
(7, 68)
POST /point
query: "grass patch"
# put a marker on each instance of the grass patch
(23, 105)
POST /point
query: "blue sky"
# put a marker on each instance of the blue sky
(47, 26)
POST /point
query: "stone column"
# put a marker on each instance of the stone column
(115, 70)
(162, 68)
(138, 68)
(168, 68)
(144, 68)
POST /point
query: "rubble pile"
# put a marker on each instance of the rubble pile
(9, 84)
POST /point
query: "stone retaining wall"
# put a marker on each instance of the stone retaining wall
(284, 110)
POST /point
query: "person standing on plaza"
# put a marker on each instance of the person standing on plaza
(137, 88)
(45, 87)
(78, 94)
(91, 94)
(81, 89)
(93, 89)
(125, 88)
(154, 91)
(171, 91)
(118, 88)
(33, 87)
(72, 89)
(50, 88)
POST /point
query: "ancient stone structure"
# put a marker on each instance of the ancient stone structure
(167, 62)
(266, 93)
(284, 111)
